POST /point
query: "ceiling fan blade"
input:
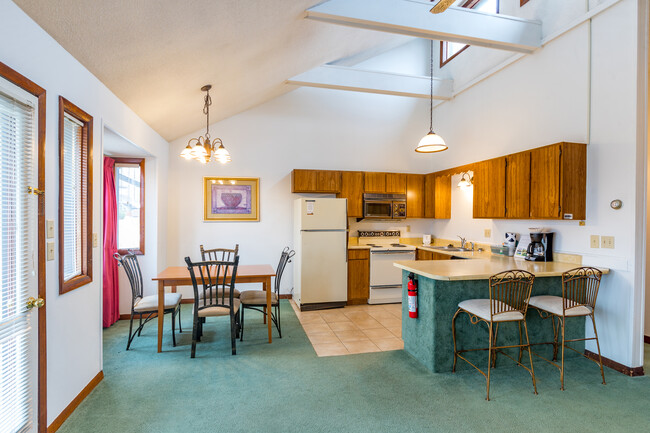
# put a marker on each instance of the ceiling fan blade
(441, 6)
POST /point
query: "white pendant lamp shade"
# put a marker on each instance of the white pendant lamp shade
(222, 155)
(431, 143)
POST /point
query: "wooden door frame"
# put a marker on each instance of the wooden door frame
(30, 87)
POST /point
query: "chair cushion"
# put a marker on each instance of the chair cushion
(481, 308)
(217, 311)
(256, 297)
(553, 305)
(150, 303)
(235, 294)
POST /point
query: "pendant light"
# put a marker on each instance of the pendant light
(431, 142)
(205, 149)
(465, 180)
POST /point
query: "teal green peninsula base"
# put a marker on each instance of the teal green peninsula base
(428, 338)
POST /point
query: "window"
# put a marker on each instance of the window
(449, 50)
(129, 193)
(75, 196)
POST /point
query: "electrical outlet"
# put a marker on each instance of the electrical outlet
(607, 242)
(50, 229)
(594, 241)
(487, 233)
(50, 251)
(94, 240)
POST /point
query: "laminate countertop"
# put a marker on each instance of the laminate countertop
(482, 267)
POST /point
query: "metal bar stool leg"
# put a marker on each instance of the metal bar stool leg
(530, 357)
(600, 358)
(453, 334)
(487, 397)
(562, 367)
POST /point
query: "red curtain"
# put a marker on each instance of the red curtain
(111, 287)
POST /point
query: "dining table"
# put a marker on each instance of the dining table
(175, 276)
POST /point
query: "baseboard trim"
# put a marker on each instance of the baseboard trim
(56, 424)
(628, 371)
(646, 339)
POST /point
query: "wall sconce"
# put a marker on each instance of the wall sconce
(465, 180)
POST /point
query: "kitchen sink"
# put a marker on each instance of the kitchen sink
(454, 249)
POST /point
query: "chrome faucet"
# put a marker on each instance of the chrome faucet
(462, 241)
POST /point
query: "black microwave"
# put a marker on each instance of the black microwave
(384, 206)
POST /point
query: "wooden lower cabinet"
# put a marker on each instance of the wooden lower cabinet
(430, 255)
(358, 276)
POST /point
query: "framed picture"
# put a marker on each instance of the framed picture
(231, 199)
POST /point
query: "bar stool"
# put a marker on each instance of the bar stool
(579, 292)
(509, 295)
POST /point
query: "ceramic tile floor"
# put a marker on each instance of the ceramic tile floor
(353, 329)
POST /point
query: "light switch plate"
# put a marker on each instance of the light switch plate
(50, 229)
(94, 240)
(594, 241)
(607, 241)
(487, 233)
(50, 251)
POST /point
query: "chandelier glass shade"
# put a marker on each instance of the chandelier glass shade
(204, 149)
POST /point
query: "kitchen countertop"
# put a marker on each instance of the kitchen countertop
(358, 247)
(481, 268)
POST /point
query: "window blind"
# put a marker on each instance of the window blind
(17, 214)
(73, 196)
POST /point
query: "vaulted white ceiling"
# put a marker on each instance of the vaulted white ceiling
(156, 55)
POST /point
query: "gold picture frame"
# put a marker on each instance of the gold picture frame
(231, 198)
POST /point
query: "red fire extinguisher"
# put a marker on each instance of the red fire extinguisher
(413, 296)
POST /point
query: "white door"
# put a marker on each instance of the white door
(323, 214)
(324, 271)
(18, 260)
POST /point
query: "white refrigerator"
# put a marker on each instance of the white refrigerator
(320, 266)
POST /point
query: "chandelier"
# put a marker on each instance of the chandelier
(205, 149)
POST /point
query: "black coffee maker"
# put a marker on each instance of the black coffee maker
(540, 248)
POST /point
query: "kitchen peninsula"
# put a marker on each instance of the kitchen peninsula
(442, 284)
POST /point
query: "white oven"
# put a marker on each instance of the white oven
(386, 279)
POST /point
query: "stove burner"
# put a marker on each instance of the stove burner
(398, 245)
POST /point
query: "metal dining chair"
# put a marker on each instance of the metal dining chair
(579, 292)
(148, 305)
(256, 299)
(213, 283)
(509, 295)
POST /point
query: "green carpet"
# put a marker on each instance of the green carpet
(285, 387)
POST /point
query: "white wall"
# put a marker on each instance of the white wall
(545, 98)
(74, 333)
(307, 128)
(560, 93)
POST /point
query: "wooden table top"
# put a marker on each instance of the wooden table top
(181, 272)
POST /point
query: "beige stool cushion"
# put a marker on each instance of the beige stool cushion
(218, 311)
(257, 297)
(150, 303)
(481, 308)
(553, 304)
(235, 294)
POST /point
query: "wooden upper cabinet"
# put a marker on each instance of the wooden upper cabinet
(442, 203)
(352, 188)
(545, 182)
(490, 188)
(429, 195)
(518, 185)
(322, 181)
(415, 195)
(395, 183)
(375, 182)
(558, 176)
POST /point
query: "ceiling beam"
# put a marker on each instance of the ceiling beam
(359, 80)
(412, 18)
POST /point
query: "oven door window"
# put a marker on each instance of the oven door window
(378, 209)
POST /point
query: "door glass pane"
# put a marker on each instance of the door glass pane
(127, 183)
(17, 215)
